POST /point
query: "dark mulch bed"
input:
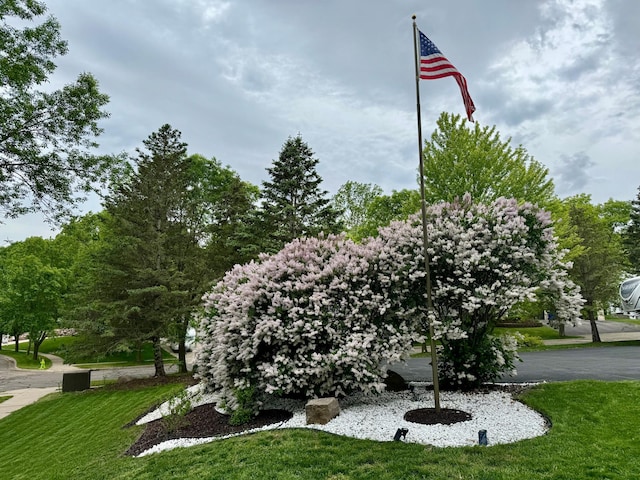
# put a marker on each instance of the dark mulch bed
(205, 421)
(429, 416)
(202, 421)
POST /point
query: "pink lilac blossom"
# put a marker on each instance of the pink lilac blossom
(325, 316)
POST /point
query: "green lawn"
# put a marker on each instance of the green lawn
(59, 345)
(25, 361)
(545, 333)
(4, 398)
(80, 435)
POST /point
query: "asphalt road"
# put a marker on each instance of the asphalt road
(605, 363)
(12, 378)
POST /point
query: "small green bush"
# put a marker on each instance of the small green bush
(179, 406)
(530, 341)
(246, 406)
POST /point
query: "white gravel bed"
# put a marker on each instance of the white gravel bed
(378, 417)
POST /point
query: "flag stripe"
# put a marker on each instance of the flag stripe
(434, 65)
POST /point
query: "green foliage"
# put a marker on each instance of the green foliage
(33, 280)
(45, 135)
(530, 341)
(353, 200)
(179, 406)
(246, 409)
(293, 204)
(136, 283)
(170, 229)
(544, 333)
(383, 209)
(459, 160)
(598, 266)
(632, 236)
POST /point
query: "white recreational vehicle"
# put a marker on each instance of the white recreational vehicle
(630, 295)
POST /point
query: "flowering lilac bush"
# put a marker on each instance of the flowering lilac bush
(317, 318)
(484, 259)
(324, 315)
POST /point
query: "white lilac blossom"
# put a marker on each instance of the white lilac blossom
(484, 260)
(318, 318)
(325, 316)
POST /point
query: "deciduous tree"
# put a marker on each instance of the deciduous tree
(459, 160)
(45, 136)
(599, 265)
(632, 235)
(353, 200)
(31, 290)
(386, 208)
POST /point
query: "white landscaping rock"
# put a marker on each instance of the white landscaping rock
(378, 417)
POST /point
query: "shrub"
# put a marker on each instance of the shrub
(318, 318)
(530, 341)
(484, 259)
(324, 315)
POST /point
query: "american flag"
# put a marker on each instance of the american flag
(433, 65)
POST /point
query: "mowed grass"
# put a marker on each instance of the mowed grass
(545, 333)
(80, 436)
(26, 361)
(59, 346)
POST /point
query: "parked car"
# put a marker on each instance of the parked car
(189, 341)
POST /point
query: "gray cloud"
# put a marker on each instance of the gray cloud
(238, 77)
(572, 174)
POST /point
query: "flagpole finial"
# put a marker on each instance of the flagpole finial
(413, 16)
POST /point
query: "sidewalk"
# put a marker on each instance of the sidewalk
(605, 337)
(26, 396)
(21, 398)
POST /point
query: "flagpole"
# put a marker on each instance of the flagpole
(425, 235)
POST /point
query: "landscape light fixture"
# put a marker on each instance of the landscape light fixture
(401, 432)
(482, 437)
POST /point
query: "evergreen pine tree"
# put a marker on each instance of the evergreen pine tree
(149, 244)
(293, 203)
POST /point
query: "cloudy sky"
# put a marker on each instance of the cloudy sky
(237, 77)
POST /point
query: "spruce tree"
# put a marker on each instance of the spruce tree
(169, 231)
(293, 203)
(146, 254)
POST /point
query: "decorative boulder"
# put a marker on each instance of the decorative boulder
(322, 410)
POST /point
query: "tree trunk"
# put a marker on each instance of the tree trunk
(182, 349)
(561, 329)
(37, 342)
(595, 335)
(17, 340)
(158, 363)
(182, 356)
(139, 352)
